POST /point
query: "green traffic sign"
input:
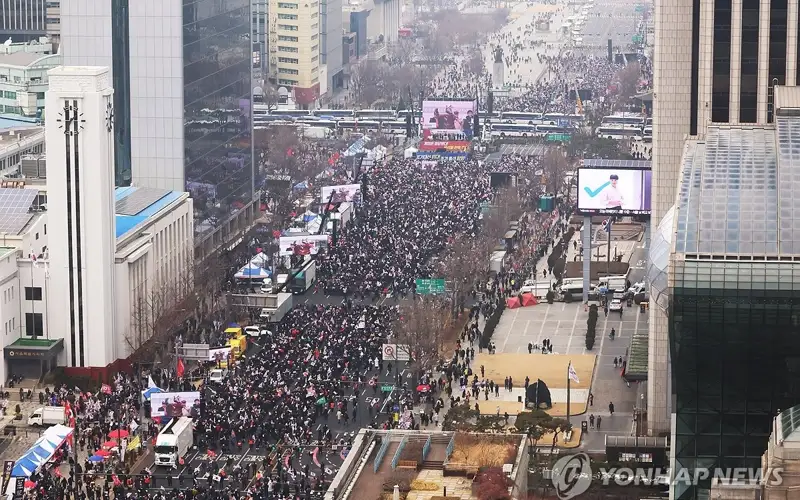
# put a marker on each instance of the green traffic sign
(637, 38)
(387, 388)
(429, 286)
(558, 137)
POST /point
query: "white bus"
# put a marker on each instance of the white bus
(293, 113)
(624, 119)
(359, 125)
(397, 127)
(554, 118)
(512, 130)
(376, 114)
(521, 117)
(545, 129)
(619, 133)
(403, 113)
(336, 114)
(329, 124)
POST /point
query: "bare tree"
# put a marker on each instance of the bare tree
(422, 325)
(627, 82)
(366, 83)
(555, 169)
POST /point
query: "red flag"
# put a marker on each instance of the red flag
(180, 368)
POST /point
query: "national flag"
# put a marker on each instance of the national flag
(573, 375)
(150, 382)
(180, 369)
(32, 256)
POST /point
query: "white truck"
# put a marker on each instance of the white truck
(615, 284)
(173, 442)
(48, 415)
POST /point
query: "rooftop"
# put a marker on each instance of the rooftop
(134, 205)
(5, 251)
(21, 58)
(17, 208)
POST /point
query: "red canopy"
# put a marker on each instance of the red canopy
(528, 299)
(118, 434)
(512, 302)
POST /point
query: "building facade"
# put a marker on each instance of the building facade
(331, 31)
(294, 56)
(23, 82)
(732, 301)
(25, 20)
(186, 67)
(714, 61)
(260, 40)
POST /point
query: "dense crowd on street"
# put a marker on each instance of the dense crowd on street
(412, 209)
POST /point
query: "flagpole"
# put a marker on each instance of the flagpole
(568, 381)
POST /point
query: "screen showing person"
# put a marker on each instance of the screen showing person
(611, 190)
(612, 196)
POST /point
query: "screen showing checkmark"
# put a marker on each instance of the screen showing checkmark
(592, 193)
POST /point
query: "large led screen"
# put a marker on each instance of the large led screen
(614, 191)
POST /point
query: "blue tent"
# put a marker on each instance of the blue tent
(251, 271)
(42, 450)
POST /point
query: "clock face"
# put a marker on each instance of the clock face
(109, 117)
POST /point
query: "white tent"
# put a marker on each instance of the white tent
(42, 450)
(252, 271)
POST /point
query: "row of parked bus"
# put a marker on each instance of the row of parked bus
(261, 114)
(626, 126)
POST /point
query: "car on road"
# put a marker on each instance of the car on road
(615, 305)
(218, 375)
(256, 331)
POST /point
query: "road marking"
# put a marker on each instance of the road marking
(242, 457)
(363, 392)
(572, 332)
(319, 427)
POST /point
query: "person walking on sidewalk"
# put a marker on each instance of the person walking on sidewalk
(591, 421)
(599, 421)
(611, 408)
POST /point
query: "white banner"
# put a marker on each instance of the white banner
(302, 245)
(219, 354)
(396, 352)
(338, 194)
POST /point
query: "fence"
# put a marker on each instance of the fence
(399, 452)
(426, 448)
(381, 453)
(450, 447)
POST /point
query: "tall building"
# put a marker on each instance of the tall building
(714, 61)
(730, 292)
(80, 147)
(294, 48)
(331, 31)
(260, 39)
(25, 20)
(182, 74)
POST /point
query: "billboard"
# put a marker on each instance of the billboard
(219, 354)
(436, 156)
(442, 117)
(302, 245)
(175, 404)
(614, 191)
(347, 192)
(445, 146)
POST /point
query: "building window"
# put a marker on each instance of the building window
(314, 15)
(7, 94)
(288, 27)
(748, 96)
(314, 58)
(53, 20)
(314, 36)
(34, 327)
(40, 96)
(282, 81)
(282, 48)
(288, 71)
(33, 293)
(286, 5)
(314, 48)
(289, 60)
(778, 19)
(721, 83)
(315, 26)
(284, 38)
(289, 17)
(315, 79)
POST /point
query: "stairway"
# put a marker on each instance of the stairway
(432, 465)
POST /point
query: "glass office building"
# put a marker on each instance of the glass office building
(217, 70)
(734, 295)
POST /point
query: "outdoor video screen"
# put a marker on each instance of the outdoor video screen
(339, 194)
(175, 404)
(614, 191)
(449, 116)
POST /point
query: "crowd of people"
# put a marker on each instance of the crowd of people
(411, 210)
